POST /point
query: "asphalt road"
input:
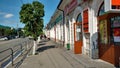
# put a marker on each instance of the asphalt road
(14, 44)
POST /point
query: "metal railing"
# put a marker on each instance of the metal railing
(8, 56)
(19, 63)
(14, 52)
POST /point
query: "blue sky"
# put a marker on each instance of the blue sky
(9, 11)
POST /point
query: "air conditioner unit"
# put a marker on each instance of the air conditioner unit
(112, 6)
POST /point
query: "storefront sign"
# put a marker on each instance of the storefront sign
(66, 10)
(112, 5)
(115, 2)
(70, 6)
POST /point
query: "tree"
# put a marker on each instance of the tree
(20, 32)
(32, 16)
(5, 30)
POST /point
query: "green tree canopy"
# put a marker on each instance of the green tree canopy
(32, 16)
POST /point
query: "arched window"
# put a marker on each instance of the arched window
(79, 18)
(101, 10)
(103, 33)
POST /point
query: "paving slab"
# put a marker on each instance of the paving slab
(51, 57)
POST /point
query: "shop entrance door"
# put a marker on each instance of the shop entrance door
(77, 38)
(109, 38)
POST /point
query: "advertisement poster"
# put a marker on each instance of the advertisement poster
(103, 32)
(116, 34)
(116, 23)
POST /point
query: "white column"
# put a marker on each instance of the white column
(93, 34)
(34, 47)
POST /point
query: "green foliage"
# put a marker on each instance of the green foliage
(32, 16)
(20, 32)
(7, 31)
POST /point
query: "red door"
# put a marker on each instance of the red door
(77, 38)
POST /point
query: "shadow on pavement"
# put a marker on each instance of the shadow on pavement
(40, 44)
(41, 49)
(43, 41)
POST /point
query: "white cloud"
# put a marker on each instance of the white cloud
(8, 15)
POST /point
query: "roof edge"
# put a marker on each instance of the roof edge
(59, 4)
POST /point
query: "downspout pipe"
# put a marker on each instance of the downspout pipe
(63, 21)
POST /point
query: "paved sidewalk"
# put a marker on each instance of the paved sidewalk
(50, 57)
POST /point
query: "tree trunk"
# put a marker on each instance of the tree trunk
(34, 47)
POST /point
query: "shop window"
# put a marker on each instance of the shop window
(78, 33)
(79, 18)
(79, 28)
(115, 30)
(85, 21)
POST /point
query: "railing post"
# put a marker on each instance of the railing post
(12, 56)
(21, 48)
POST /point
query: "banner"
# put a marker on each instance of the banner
(103, 32)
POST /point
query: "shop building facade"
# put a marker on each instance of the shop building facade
(54, 28)
(92, 28)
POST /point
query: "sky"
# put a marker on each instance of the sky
(9, 11)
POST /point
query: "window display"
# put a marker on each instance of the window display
(115, 26)
(116, 34)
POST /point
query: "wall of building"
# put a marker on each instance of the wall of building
(92, 11)
(71, 21)
(94, 8)
(52, 33)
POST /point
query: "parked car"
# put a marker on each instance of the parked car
(11, 37)
(3, 38)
